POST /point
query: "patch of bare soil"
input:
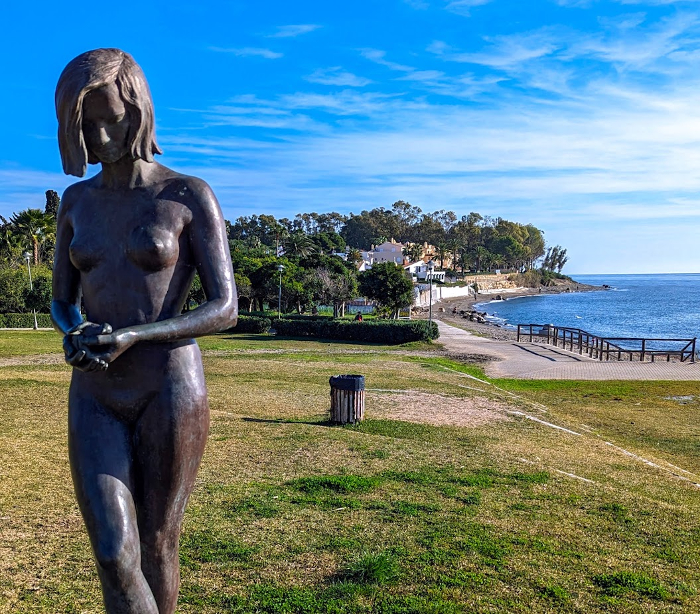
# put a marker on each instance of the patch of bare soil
(32, 359)
(436, 409)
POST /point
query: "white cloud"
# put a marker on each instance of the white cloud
(463, 7)
(337, 76)
(24, 188)
(635, 48)
(294, 30)
(504, 52)
(249, 51)
(379, 57)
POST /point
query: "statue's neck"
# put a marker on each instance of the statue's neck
(126, 173)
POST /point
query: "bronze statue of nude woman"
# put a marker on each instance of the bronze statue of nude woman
(130, 240)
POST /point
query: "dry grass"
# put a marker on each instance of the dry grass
(479, 507)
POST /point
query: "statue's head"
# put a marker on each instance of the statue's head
(92, 70)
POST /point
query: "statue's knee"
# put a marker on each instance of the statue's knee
(117, 555)
(161, 544)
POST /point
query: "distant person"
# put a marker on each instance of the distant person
(358, 317)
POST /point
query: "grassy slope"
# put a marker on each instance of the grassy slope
(292, 515)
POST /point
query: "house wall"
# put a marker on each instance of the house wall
(488, 284)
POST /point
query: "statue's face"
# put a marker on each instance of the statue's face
(106, 124)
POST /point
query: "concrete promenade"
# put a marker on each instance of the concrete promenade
(524, 360)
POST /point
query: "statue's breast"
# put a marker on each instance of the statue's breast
(86, 252)
(152, 247)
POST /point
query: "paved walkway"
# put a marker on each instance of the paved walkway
(524, 360)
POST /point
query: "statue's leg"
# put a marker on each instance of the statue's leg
(168, 444)
(100, 458)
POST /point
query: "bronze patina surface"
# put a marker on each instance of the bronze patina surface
(129, 241)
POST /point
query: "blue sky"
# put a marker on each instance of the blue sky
(580, 116)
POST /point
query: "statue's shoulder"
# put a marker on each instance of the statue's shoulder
(72, 195)
(191, 190)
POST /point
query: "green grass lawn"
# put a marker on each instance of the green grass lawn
(498, 511)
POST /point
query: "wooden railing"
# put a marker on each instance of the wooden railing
(602, 348)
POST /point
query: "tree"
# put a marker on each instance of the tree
(244, 289)
(36, 227)
(555, 259)
(39, 297)
(196, 294)
(298, 244)
(53, 202)
(427, 230)
(328, 242)
(10, 243)
(370, 226)
(442, 252)
(413, 251)
(355, 256)
(387, 284)
(331, 287)
(14, 285)
(534, 244)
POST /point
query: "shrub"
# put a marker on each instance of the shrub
(252, 325)
(318, 318)
(376, 332)
(258, 314)
(25, 320)
(14, 284)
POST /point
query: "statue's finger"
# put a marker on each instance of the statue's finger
(76, 358)
(106, 329)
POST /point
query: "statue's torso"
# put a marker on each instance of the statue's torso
(132, 250)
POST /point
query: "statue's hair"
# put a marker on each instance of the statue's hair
(87, 72)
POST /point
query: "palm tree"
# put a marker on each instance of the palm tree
(298, 244)
(413, 251)
(442, 252)
(36, 227)
(355, 256)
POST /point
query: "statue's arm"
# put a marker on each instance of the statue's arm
(65, 306)
(212, 259)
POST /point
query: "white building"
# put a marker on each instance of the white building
(419, 271)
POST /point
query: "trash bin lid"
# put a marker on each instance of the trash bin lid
(348, 382)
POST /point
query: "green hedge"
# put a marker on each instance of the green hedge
(258, 314)
(251, 325)
(25, 320)
(377, 332)
(308, 318)
(285, 316)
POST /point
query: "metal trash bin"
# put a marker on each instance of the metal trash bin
(347, 398)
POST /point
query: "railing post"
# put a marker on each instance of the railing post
(518, 339)
(644, 348)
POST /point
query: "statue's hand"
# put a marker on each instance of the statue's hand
(108, 347)
(77, 354)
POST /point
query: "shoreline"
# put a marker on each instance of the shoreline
(491, 330)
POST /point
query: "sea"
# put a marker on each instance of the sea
(650, 306)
